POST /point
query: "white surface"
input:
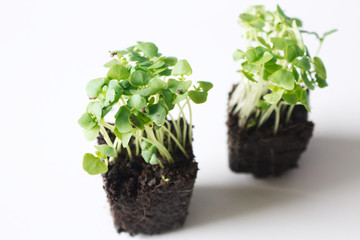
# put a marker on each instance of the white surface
(50, 49)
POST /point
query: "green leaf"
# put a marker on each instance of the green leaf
(197, 96)
(320, 68)
(149, 49)
(303, 63)
(281, 12)
(265, 58)
(111, 63)
(292, 51)
(283, 78)
(295, 72)
(122, 120)
(262, 41)
(142, 92)
(145, 145)
(136, 121)
(254, 54)
(238, 54)
(100, 155)
(91, 134)
(106, 150)
(306, 80)
(328, 33)
(93, 165)
(157, 85)
(146, 154)
(177, 86)
(156, 65)
(311, 33)
(169, 97)
(154, 160)
(250, 67)
(274, 97)
(262, 105)
(290, 97)
(278, 43)
(139, 78)
(94, 87)
(180, 97)
(274, 88)
(118, 72)
(113, 92)
(320, 81)
(247, 17)
(182, 68)
(258, 23)
(305, 100)
(270, 68)
(205, 86)
(166, 72)
(157, 114)
(171, 61)
(86, 121)
(249, 76)
(136, 101)
(95, 109)
(126, 139)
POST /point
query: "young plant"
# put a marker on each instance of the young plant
(142, 86)
(276, 68)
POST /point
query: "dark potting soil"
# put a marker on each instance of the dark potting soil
(260, 152)
(140, 197)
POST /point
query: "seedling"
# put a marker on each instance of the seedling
(142, 87)
(276, 68)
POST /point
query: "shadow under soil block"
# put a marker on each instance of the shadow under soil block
(260, 152)
(147, 199)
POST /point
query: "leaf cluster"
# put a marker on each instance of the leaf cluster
(278, 56)
(143, 86)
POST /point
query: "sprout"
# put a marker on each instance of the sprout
(277, 69)
(143, 87)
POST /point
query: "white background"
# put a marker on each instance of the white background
(49, 50)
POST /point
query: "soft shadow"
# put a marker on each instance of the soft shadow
(211, 204)
(328, 164)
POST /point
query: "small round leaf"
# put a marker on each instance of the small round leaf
(182, 68)
(118, 72)
(122, 120)
(197, 96)
(93, 165)
(139, 78)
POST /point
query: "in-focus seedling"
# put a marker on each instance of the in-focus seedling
(141, 87)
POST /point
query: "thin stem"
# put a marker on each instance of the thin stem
(318, 50)
(107, 125)
(277, 120)
(117, 144)
(161, 148)
(177, 129)
(122, 100)
(106, 136)
(137, 143)
(169, 137)
(176, 141)
(129, 151)
(289, 112)
(184, 123)
(190, 121)
(267, 114)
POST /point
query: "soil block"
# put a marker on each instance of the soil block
(260, 152)
(147, 199)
